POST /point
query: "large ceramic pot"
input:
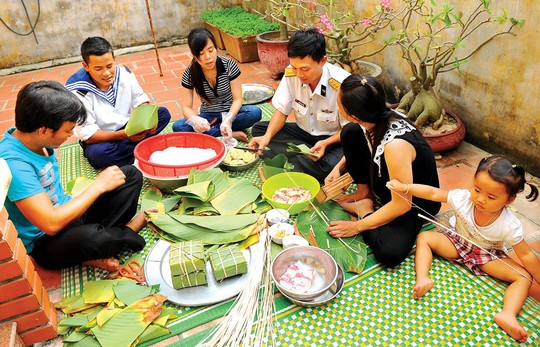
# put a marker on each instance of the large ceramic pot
(448, 140)
(445, 141)
(273, 52)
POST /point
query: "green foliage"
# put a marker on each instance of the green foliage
(237, 22)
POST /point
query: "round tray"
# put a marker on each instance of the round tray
(253, 93)
(325, 297)
(158, 271)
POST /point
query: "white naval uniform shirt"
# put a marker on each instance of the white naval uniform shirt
(102, 115)
(315, 112)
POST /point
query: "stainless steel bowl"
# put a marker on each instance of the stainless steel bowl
(240, 167)
(326, 270)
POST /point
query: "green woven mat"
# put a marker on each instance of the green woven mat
(373, 309)
(376, 308)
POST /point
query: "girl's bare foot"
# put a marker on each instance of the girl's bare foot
(509, 323)
(422, 286)
(139, 221)
(108, 264)
(240, 136)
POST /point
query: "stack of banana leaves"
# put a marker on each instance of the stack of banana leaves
(117, 312)
(211, 207)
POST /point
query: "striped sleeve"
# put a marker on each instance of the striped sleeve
(232, 69)
(186, 79)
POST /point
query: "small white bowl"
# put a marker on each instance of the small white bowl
(277, 215)
(294, 240)
(279, 230)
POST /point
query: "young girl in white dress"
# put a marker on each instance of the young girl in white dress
(484, 223)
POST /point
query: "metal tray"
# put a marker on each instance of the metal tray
(253, 93)
(157, 271)
(325, 297)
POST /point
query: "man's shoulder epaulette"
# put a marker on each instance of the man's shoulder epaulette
(82, 92)
(334, 83)
(289, 72)
(127, 68)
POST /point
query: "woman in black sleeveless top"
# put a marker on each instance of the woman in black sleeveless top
(379, 145)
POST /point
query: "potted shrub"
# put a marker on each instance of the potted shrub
(431, 38)
(238, 30)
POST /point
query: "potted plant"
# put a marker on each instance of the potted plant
(272, 45)
(238, 30)
(431, 39)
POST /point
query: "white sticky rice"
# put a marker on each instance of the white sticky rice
(182, 155)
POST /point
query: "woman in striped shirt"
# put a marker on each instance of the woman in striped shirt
(215, 80)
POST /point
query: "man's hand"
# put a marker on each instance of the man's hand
(258, 142)
(138, 137)
(198, 123)
(110, 179)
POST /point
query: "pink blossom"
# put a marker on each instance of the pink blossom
(385, 4)
(319, 30)
(367, 22)
(326, 21)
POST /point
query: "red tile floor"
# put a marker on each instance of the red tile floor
(456, 167)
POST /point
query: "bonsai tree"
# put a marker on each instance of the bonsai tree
(432, 42)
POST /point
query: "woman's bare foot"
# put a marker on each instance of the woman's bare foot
(139, 221)
(108, 264)
(422, 286)
(365, 206)
(509, 323)
(240, 136)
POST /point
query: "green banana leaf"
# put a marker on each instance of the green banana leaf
(275, 165)
(351, 257)
(97, 292)
(136, 317)
(143, 117)
(152, 198)
(170, 202)
(218, 223)
(220, 179)
(128, 291)
(201, 191)
(78, 185)
(88, 341)
(156, 329)
(236, 198)
(302, 148)
(183, 232)
(106, 314)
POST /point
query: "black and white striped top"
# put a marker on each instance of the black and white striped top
(221, 96)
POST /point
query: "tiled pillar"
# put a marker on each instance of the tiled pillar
(23, 299)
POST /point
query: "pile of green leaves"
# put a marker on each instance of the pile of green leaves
(349, 252)
(212, 207)
(117, 312)
(237, 22)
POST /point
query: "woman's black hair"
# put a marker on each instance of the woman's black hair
(364, 98)
(504, 171)
(47, 104)
(198, 39)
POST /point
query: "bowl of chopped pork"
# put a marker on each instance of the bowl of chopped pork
(166, 159)
(304, 272)
(291, 191)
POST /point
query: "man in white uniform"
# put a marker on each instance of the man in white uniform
(309, 87)
(109, 93)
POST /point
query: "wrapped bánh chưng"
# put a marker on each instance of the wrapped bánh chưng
(228, 261)
(187, 263)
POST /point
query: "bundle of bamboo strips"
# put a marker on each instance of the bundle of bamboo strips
(250, 321)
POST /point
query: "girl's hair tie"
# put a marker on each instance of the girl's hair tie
(363, 81)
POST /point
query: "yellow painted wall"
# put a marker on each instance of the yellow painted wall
(64, 24)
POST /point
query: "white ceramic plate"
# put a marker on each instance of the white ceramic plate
(157, 271)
